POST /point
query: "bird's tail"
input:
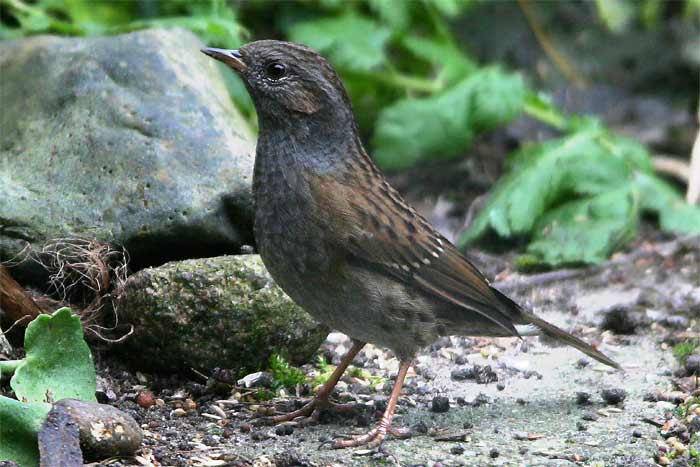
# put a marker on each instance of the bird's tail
(552, 331)
(561, 335)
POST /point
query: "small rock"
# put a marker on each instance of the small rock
(583, 398)
(493, 453)
(284, 430)
(179, 412)
(105, 431)
(520, 435)
(613, 396)
(420, 428)
(260, 379)
(692, 365)
(590, 417)
(467, 425)
(637, 434)
(457, 450)
(460, 374)
(440, 404)
(145, 399)
(620, 321)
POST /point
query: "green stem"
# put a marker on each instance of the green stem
(545, 115)
(9, 366)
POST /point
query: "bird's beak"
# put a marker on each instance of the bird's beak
(232, 58)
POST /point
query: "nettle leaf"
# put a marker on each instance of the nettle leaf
(58, 364)
(590, 162)
(587, 230)
(443, 125)
(448, 58)
(660, 198)
(350, 41)
(19, 425)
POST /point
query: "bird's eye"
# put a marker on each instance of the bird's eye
(275, 71)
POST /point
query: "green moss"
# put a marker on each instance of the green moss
(684, 350)
(284, 374)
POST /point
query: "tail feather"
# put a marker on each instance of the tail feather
(553, 331)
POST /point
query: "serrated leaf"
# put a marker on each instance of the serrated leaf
(58, 364)
(445, 56)
(498, 97)
(395, 14)
(19, 425)
(660, 198)
(350, 41)
(443, 125)
(548, 174)
(586, 230)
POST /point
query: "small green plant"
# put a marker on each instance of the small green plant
(325, 371)
(365, 375)
(284, 374)
(58, 365)
(684, 350)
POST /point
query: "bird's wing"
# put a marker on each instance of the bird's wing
(377, 227)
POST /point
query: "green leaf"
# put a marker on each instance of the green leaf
(660, 198)
(498, 97)
(350, 41)
(586, 230)
(19, 425)
(58, 364)
(453, 64)
(616, 14)
(443, 125)
(547, 174)
(396, 15)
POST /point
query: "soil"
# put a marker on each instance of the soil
(511, 402)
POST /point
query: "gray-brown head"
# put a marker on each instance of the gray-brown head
(284, 78)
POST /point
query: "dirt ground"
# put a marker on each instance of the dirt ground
(511, 402)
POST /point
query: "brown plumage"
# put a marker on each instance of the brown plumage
(341, 241)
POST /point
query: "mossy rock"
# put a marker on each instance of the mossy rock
(215, 312)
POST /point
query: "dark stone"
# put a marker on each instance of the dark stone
(692, 365)
(583, 398)
(457, 450)
(440, 404)
(620, 321)
(59, 440)
(613, 396)
(284, 430)
(493, 453)
(420, 428)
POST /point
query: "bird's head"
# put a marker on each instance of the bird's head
(284, 78)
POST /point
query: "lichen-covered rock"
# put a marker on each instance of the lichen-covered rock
(130, 139)
(215, 312)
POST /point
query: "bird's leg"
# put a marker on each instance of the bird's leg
(375, 436)
(312, 410)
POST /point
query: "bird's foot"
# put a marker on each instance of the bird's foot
(374, 438)
(310, 413)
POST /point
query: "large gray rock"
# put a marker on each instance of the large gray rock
(130, 139)
(215, 312)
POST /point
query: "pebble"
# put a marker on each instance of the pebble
(178, 413)
(457, 450)
(420, 428)
(580, 426)
(440, 404)
(613, 396)
(284, 429)
(583, 398)
(500, 386)
(637, 434)
(692, 365)
(493, 453)
(145, 399)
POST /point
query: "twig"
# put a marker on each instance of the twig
(664, 249)
(693, 193)
(568, 69)
(672, 166)
(15, 303)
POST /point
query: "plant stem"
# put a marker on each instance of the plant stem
(9, 366)
(545, 115)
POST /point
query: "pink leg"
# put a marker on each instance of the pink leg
(375, 436)
(312, 410)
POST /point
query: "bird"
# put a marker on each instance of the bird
(343, 243)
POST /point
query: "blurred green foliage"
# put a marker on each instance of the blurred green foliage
(420, 96)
